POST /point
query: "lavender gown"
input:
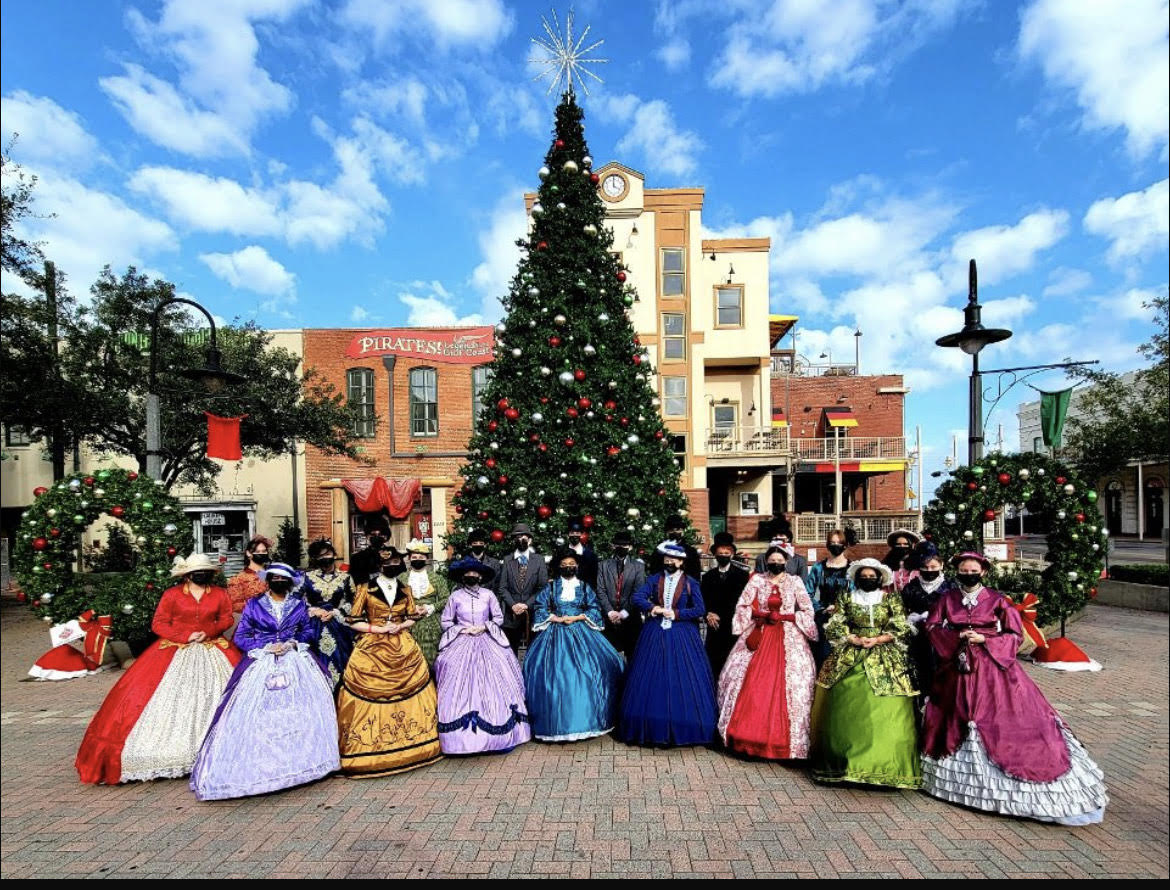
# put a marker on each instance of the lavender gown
(276, 725)
(481, 689)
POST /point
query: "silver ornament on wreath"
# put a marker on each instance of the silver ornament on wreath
(566, 377)
(127, 608)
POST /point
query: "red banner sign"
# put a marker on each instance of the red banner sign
(460, 346)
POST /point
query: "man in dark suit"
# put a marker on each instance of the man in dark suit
(795, 565)
(586, 556)
(367, 562)
(477, 546)
(522, 576)
(721, 588)
(617, 579)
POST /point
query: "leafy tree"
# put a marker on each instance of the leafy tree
(1118, 423)
(289, 544)
(17, 255)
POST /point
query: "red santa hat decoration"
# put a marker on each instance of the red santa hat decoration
(64, 661)
(1062, 654)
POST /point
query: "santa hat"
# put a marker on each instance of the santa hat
(1062, 654)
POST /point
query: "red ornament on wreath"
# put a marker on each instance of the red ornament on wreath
(492, 426)
(610, 405)
(512, 414)
(625, 421)
(594, 178)
(171, 551)
(579, 375)
(972, 486)
(554, 341)
(497, 535)
(118, 510)
(572, 412)
(1079, 517)
(544, 400)
(21, 596)
(658, 434)
(542, 447)
(490, 463)
(609, 418)
(636, 358)
(131, 475)
(621, 276)
(584, 404)
(587, 521)
(1004, 478)
(54, 533)
(534, 437)
(502, 404)
(560, 143)
(503, 480)
(89, 480)
(459, 509)
(48, 567)
(1060, 480)
(543, 245)
(544, 511)
(39, 490)
(569, 443)
(483, 514)
(39, 544)
(613, 451)
(662, 492)
(988, 515)
(150, 585)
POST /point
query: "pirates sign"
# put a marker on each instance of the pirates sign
(457, 346)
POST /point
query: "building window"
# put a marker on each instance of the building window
(674, 396)
(480, 375)
(725, 416)
(673, 272)
(1038, 445)
(424, 402)
(16, 436)
(678, 444)
(674, 337)
(359, 385)
(729, 307)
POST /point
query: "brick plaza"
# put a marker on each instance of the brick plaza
(593, 809)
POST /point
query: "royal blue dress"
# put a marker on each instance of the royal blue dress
(572, 674)
(333, 639)
(670, 692)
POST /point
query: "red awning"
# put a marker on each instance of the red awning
(397, 496)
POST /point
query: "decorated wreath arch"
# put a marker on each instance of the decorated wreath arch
(46, 549)
(1077, 540)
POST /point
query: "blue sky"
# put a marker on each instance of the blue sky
(312, 163)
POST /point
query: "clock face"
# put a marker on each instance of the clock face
(614, 185)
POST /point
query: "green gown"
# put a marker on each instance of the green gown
(426, 631)
(863, 722)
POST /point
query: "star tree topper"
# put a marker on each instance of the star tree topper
(562, 57)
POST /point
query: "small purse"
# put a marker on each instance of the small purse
(754, 638)
(963, 660)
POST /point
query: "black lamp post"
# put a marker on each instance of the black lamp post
(212, 376)
(971, 340)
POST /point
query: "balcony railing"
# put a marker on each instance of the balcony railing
(870, 528)
(850, 448)
(736, 440)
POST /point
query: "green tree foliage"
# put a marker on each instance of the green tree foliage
(289, 545)
(1119, 423)
(571, 425)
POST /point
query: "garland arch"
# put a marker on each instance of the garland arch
(1077, 540)
(50, 532)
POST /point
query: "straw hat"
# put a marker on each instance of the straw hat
(196, 562)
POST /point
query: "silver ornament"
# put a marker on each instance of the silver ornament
(47, 620)
(560, 205)
(537, 210)
(646, 526)
(46, 598)
(516, 353)
(544, 172)
(968, 536)
(570, 166)
(590, 229)
(99, 492)
(1040, 471)
(501, 328)
(127, 608)
(1060, 514)
(625, 447)
(656, 401)
(545, 370)
(590, 414)
(75, 485)
(520, 503)
(1024, 473)
(1070, 488)
(1072, 576)
(566, 377)
(170, 528)
(604, 316)
(564, 475)
(589, 349)
(532, 322)
(1096, 547)
(83, 504)
(592, 461)
(587, 162)
(481, 481)
(950, 518)
(609, 495)
(633, 511)
(632, 438)
(534, 291)
(612, 384)
(543, 526)
(140, 540)
(51, 512)
(494, 446)
(537, 417)
(559, 319)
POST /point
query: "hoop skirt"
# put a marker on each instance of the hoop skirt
(481, 690)
(387, 712)
(991, 740)
(276, 725)
(766, 687)
(572, 673)
(670, 694)
(153, 721)
(863, 721)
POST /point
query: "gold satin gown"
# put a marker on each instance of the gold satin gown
(387, 708)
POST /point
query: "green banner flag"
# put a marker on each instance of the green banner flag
(1053, 409)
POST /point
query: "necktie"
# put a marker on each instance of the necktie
(524, 559)
(621, 577)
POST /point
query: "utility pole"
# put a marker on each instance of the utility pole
(57, 431)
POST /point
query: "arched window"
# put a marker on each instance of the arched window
(424, 402)
(359, 390)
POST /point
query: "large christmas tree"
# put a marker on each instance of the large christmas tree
(571, 427)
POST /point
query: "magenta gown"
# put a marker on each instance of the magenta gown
(991, 740)
(481, 689)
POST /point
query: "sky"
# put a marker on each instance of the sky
(308, 163)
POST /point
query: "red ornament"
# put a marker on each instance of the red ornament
(988, 515)
(658, 434)
(587, 521)
(118, 510)
(54, 533)
(89, 480)
(131, 475)
(594, 178)
(512, 414)
(492, 426)
(554, 341)
(544, 400)
(609, 418)
(636, 358)
(543, 245)
(625, 421)
(1079, 517)
(458, 508)
(662, 492)
(637, 340)
(1004, 478)
(1092, 591)
(39, 490)
(39, 544)
(560, 143)
(503, 480)
(48, 567)
(572, 412)
(21, 596)
(497, 536)
(534, 437)
(613, 451)
(502, 404)
(150, 585)
(621, 276)
(542, 447)
(972, 486)
(490, 463)
(1060, 480)
(610, 405)
(584, 404)
(579, 375)
(483, 514)
(544, 511)
(171, 551)
(569, 443)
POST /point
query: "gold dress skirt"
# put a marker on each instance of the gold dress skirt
(387, 708)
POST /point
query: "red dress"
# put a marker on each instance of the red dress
(243, 587)
(157, 713)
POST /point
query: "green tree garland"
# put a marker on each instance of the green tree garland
(46, 549)
(1067, 506)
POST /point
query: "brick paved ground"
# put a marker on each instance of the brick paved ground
(593, 809)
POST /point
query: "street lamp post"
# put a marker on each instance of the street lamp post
(971, 339)
(211, 375)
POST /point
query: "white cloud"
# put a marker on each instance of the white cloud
(479, 24)
(208, 204)
(1064, 282)
(1133, 304)
(434, 309)
(654, 136)
(251, 269)
(1003, 251)
(358, 314)
(49, 135)
(506, 223)
(1113, 57)
(1137, 223)
(674, 54)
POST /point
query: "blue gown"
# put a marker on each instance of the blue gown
(670, 692)
(276, 725)
(333, 638)
(571, 673)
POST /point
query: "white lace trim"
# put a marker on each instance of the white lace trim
(574, 736)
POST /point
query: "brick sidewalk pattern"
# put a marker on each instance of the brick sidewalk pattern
(594, 809)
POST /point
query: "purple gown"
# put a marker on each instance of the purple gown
(276, 725)
(991, 740)
(481, 689)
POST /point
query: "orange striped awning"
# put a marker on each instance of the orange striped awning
(779, 421)
(840, 416)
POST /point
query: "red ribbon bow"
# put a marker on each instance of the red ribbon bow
(1027, 609)
(97, 633)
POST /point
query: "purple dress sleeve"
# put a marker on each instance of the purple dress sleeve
(251, 632)
(1002, 647)
(447, 621)
(943, 638)
(304, 631)
(494, 618)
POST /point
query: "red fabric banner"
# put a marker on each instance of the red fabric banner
(223, 437)
(397, 496)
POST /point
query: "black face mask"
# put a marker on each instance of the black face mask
(670, 567)
(723, 560)
(477, 549)
(836, 549)
(901, 550)
(675, 536)
(970, 580)
(868, 584)
(392, 569)
(280, 587)
(261, 559)
(418, 564)
(620, 552)
(568, 571)
(202, 578)
(471, 580)
(927, 575)
(522, 544)
(326, 562)
(574, 540)
(774, 568)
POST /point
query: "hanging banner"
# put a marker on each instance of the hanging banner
(1053, 409)
(457, 346)
(223, 437)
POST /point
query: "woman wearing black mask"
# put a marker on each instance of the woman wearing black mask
(926, 585)
(901, 542)
(826, 581)
(329, 596)
(863, 718)
(249, 583)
